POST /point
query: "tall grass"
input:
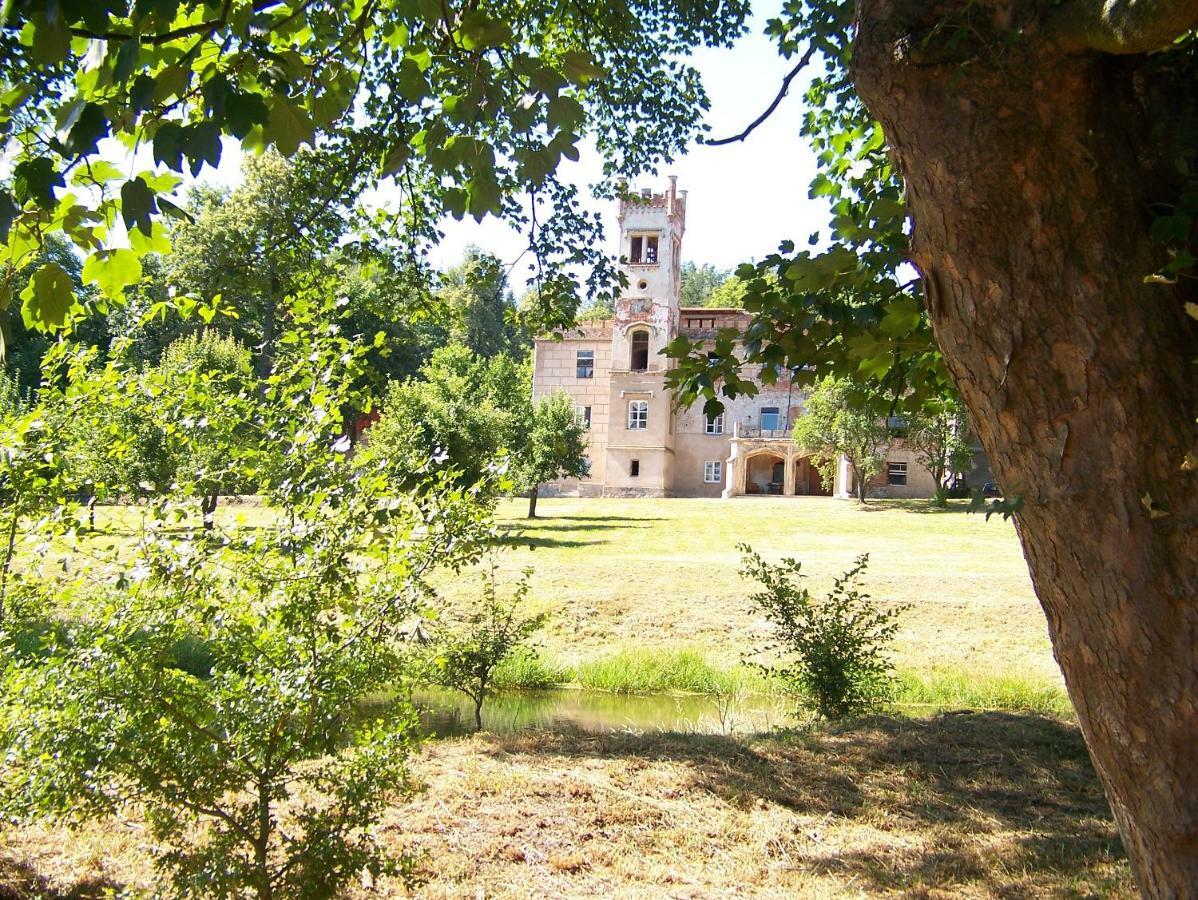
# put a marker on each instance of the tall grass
(639, 670)
(530, 672)
(952, 689)
(643, 671)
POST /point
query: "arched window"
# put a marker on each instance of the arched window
(638, 415)
(640, 351)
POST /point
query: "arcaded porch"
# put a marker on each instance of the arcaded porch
(770, 466)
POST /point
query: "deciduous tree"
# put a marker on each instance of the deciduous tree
(1035, 162)
(554, 447)
(835, 424)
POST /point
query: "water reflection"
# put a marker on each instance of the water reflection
(448, 714)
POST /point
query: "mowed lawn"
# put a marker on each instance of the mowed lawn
(664, 574)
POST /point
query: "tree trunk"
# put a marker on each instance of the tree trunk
(208, 508)
(1031, 176)
(266, 352)
(532, 501)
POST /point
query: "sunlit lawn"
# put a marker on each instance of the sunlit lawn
(665, 573)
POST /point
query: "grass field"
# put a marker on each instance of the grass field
(647, 593)
(664, 575)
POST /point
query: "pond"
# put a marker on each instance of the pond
(449, 714)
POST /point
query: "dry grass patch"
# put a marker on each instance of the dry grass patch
(962, 805)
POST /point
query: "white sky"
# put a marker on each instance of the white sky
(743, 199)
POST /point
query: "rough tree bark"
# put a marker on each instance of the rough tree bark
(1031, 168)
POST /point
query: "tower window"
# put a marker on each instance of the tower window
(582, 415)
(715, 424)
(770, 419)
(640, 351)
(642, 248)
(586, 363)
(638, 415)
(712, 470)
(634, 468)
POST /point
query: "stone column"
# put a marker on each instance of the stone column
(788, 474)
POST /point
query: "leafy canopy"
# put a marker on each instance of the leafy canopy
(462, 110)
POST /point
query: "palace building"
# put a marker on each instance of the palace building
(640, 445)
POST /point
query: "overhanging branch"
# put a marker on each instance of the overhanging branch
(1121, 26)
(769, 110)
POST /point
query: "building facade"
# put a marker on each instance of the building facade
(641, 445)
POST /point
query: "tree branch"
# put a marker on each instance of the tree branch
(1121, 26)
(769, 110)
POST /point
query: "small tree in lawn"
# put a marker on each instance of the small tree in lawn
(939, 434)
(835, 422)
(205, 381)
(467, 651)
(555, 447)
(831, 650)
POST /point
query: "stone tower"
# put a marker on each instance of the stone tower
(640, 450)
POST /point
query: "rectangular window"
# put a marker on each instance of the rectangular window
(715, 424)
(638, 415)
(642, 248)
(583, 416)
(896, 473)
(713, 469)
(770, 420)
(897, 426)
(634, 468)
(586, 363)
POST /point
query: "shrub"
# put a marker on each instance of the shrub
(833, 648)
(467, 653)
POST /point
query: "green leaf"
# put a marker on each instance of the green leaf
(201, 143)
(243, 111)
(564, 113)
(112, 270)
(484, 196)
(478, 31)
(155, 242)
(288, 126)
(395, 159)
(168, 145)
(35, 179)
(51, 36)
(580, 67)
(137, 205)
(48, 298)
(902, 317)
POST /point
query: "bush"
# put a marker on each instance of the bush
(466, 654)
(834, 647)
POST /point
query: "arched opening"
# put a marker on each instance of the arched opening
(640, 351)
(807, 480)
(766, 474)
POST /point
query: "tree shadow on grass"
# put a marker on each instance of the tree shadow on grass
(920, 507)
(1005, 803)
(584, 518)
(19, 881)
(532, 542)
